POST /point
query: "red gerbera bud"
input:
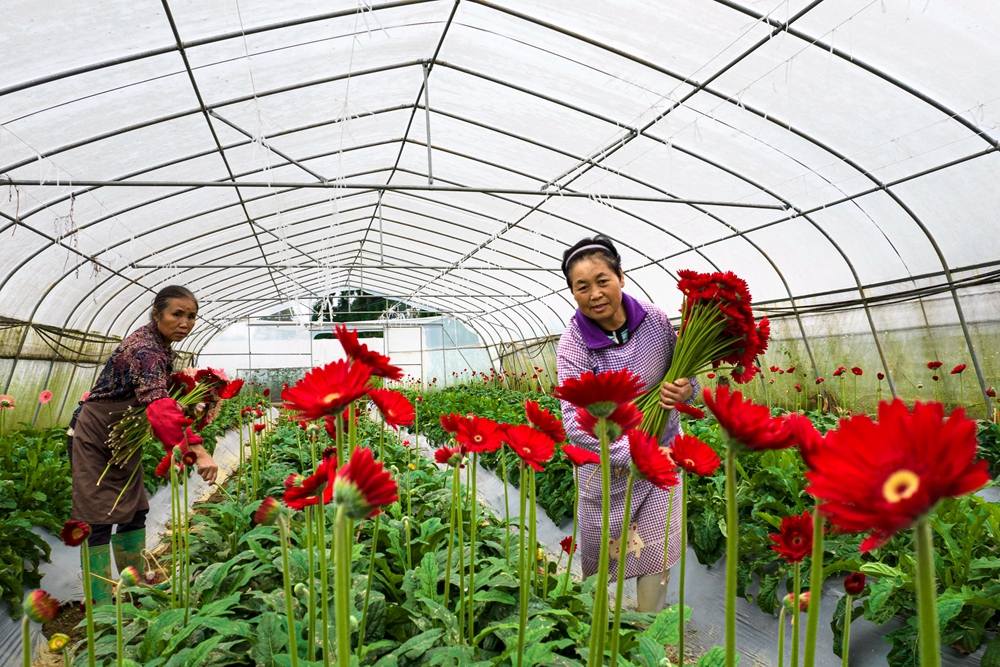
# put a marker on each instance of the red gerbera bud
(267, 513)
(41, 607)
(267, 392)
(362, 487)
(448, 456)
(649, 461)
(328, 389)
(803, 602)
(533, 446)
(689, 410)
(293, 480)
(479, 435)
(710, 376)
(991, 392)
(568, 545)
(579, 456)
(934, 365)
(857, 370)
(958, 369)
(602, 393)
(746, 422)
(544, 421)
(189, 458)
(935, 378)
(793, 541)
(798, 387)
(854, 584)
(820, 380)
(257, 428)
(694, 455)
(880, 375)
(73, 533)
(790, 369)
(882, 476)
(396, 409)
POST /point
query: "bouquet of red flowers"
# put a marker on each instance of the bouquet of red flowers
(198, 392)
(717, 327)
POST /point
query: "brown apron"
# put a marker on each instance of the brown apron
(93, 503)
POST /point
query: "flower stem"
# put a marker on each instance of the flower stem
(666, 536)
(461, 561)
(781, 636)
(342, 583)
(26, 641)
(930, 641)
(324, 599)
(845, 647)
(293, 648)
(186, 563)
(680, 590)
(620, 580)
(532, 535)
(451, 533)
(599, 626)
(732, 552)
(572, 546)
(368, 585)
(310, 549)
(815, 589)
(522, 563)
(472, 552)
(119, 626)
(88, 602)
(795, 614)
(506, 506)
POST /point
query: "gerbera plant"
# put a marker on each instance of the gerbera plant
(75, 533)
(854, 585)
(39, 607)
(793, 542)
(883, 477)
(578, 456)
(717, 327)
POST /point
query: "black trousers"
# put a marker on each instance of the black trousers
(101, 533)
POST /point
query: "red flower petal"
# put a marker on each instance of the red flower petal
(579, 456)
(73, 533)
(794, 538)
(362, 486)
(533, 446)
(649, 461)
(746, 422)
(328, 389)
(600, 394)
(544, 421)
(690, 410)
(479, 435)
(396, 409)
(694, 455)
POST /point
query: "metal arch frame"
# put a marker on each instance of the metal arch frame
(956, 295)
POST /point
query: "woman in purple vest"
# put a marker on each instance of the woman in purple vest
(610, 331)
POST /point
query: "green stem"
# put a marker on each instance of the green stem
(572, 546)
(324, 599)
(451, 532)
(532, 534)
(930, 641)
(26, 641)
(845, 647)
(88, 603)
(815, 589)
(342, 566)
(732, 551)
(293, 647)
(680, 590)
(368, 586)
(472, 551)
(186, 537)
(620, 581)
(599, 627)
(522, 563)
(795, 614)
(506, 506)
(119, 626)
(666, 537)
(409, 492)
(461, 562)
(175, 520)
(310, 549)
(781, 636)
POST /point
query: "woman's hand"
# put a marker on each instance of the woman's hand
(207, 467)
(678, 391)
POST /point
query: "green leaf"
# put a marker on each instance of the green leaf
(666, 628)
(271, 639)
(949, 605)
(493, 595)
(540, 653)
(716, 657)
(649, 653)
(883, 570)
(428, 573)
(417, 646)
(991, 656)
(197, 657)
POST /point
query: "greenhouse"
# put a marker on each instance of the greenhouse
(500, 333)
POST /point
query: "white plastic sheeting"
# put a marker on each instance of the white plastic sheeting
(820, 149)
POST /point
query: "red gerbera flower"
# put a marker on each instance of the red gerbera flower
(790, 369)
(568, 545)
(448, 456)
(163, 467)
(359, 352)
(41, 607)
(312, 487)
(602, 393)
(544, 421)
(746, 422)
(183, 381)
(991, 392)
(257, 428)
(479, 435)
(73, 533)
(267, 392)
(450, 421)
(805, 435)
(267, 513)
(533, 446)
(958, 369)
(396, 409)
(820, 380)
(857, 370)
(794, 538)
(330, 422)
(328, 389)
(798, 387)
(579, 456)
(649, 461)
(883, 476)
(854, 584)
(934, 365)
(362, 486)
(189, 458)
(840, 371)
(689, 410)
(710, 376)
(624, 417)
(694, 455)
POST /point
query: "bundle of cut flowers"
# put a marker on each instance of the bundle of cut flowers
(198, 392)
(717, 327)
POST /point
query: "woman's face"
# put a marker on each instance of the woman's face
(598, 292)
(177, 320)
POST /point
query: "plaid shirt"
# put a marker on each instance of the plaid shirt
(140, 366)
(647, 352)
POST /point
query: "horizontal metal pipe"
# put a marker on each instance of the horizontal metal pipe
(427, 267)
(333, 185)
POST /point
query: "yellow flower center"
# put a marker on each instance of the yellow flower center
(527, 451)
(478, 438)
(900, 485)
(689, 463)
(331, 398)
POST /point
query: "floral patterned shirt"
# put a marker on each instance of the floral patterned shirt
(140, 366)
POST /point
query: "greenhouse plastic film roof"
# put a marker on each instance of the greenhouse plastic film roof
(446, 152)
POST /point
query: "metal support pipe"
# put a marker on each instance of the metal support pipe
(427, 122)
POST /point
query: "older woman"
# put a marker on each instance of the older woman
(136, 374)
(611, 331)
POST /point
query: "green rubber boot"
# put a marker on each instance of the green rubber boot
(128, 549)
(100, 565)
